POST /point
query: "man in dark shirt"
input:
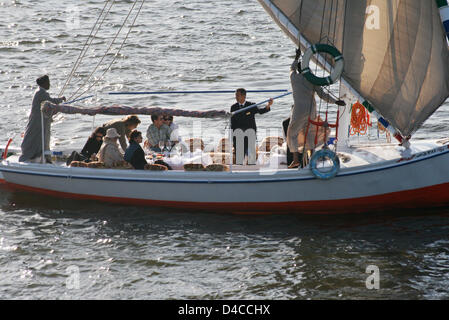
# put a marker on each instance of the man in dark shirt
(246, 122)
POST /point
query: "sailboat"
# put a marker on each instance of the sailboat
(396, 61)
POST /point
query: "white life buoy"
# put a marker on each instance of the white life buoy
(338, 68)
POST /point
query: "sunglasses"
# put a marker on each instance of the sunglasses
(99, 136)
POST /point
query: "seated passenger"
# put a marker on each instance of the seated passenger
(110, 153)
(175, 137)
(123, 127)
(94, 143)
(158, 134)
(168, 120)
(91, 148)
(134, 154)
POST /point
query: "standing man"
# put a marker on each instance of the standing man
(304, 107)
(243, 126)
(32, 141)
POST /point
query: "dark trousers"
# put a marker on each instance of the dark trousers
(285, 125)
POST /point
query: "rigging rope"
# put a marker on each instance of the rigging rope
(86, 46)
(299, 24)
(81, 80)
(107, 52)
(331, 19)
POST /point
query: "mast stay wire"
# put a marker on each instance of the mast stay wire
(116, 55)
(94, 56)
(87, 45)
(316, 65)
(333, 16)
(74, 95)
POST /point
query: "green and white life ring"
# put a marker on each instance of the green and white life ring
(338, 68)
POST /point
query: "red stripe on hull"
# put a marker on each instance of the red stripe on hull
(435, 196)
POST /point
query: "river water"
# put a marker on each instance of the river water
(120, 252)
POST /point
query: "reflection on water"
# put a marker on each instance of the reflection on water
(135, 252)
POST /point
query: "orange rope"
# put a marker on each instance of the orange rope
(359, 119)
(382, 130)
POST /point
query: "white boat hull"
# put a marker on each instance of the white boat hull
(419, 181)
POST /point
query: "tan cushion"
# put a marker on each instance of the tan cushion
(76, 164)
(155, 167)
(217, 167)
(97, 165)
(194, 167)
(121, 165)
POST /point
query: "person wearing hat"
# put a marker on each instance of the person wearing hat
(110, 153)
(32, 141)
(124, 127)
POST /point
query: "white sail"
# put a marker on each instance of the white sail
(395, 51)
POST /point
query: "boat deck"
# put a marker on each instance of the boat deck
(350, 156)
(370, 178)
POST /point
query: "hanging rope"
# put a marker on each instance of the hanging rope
(359, 120)
(87, 45)
(107, 52)
(381, 130)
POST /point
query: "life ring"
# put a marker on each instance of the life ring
(338, 68)
(325, 154)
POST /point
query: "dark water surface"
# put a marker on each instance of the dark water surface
(133, 252)
(130, 253)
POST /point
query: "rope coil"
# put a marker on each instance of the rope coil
(360, 120)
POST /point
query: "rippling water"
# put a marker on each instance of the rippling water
(131, 252)
(127, 252)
